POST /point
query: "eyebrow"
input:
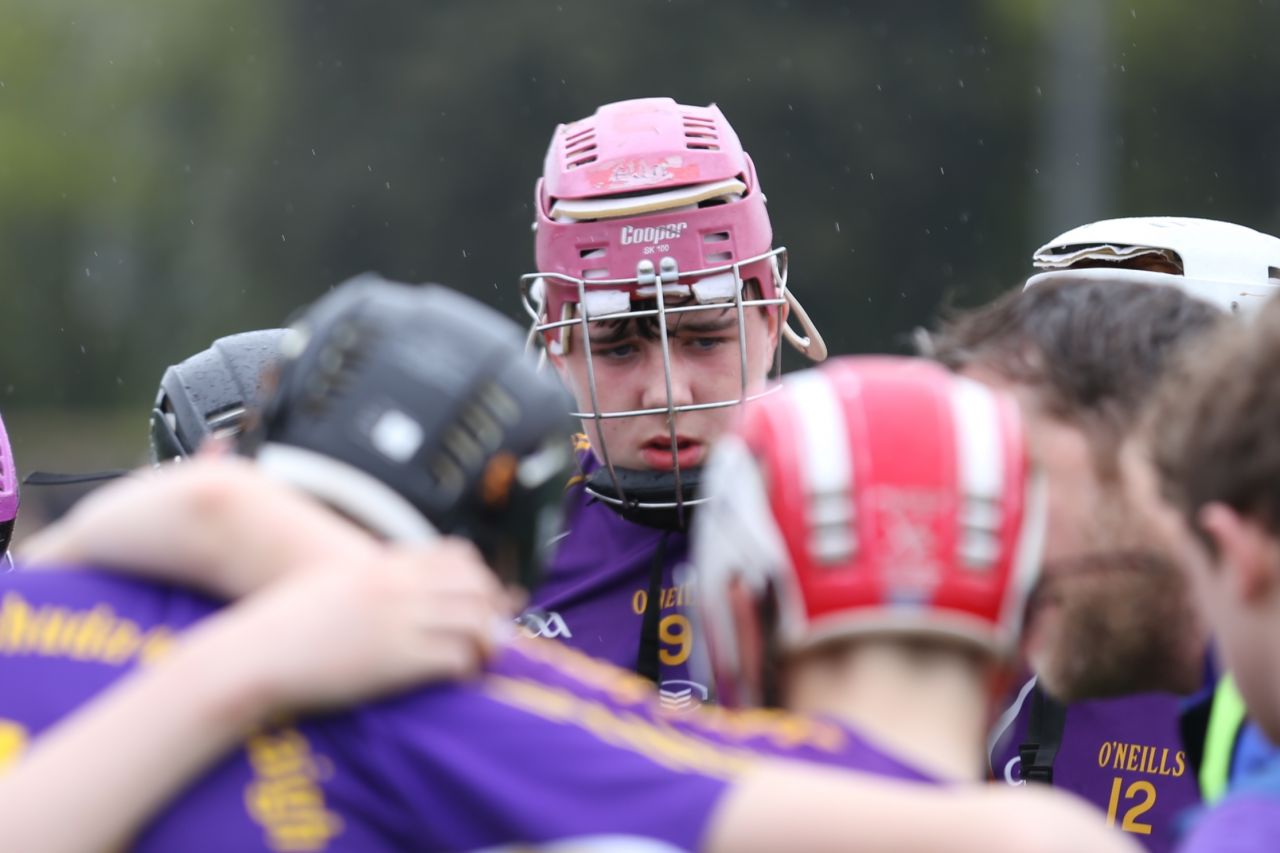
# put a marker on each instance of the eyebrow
(681, 324)
(715, 323)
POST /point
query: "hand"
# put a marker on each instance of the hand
(344, 633)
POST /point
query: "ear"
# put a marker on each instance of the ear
(1246, 552)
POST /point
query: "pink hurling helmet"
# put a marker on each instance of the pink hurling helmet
(8, 493)
(654, 202)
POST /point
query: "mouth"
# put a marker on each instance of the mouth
(660, 455)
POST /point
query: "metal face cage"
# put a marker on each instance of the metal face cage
(716, 288)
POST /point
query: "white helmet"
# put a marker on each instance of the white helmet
(1231, 266)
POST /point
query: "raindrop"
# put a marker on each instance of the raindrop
(388, 183)
(837, 227)
(282, 238)
(941, 171)
(960, 81)
(86, 272)
(313, 152)
(872, 174)
(82, 352)
(464, 253)
(1039, 92)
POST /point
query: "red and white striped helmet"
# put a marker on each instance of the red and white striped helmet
(872, 496)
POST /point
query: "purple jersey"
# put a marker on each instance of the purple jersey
(1123, 755)
(548, 745)
(596, 588)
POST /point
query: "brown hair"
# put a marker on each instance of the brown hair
(1091, 351)
(1213, 429)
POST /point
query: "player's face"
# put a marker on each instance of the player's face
(1112, 614)
(705, 367)
(1240, 631)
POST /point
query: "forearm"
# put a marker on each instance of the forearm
(118, 760)
(213, 524)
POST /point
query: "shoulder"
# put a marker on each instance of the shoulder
(75, 591)
(522, 752)
(1245, 822)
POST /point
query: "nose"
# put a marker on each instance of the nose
(657, 369)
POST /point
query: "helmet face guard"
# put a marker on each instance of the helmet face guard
(876, 497)
(652, 497)
(646, 227)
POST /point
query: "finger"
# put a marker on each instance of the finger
(448, 656)
(474, 622)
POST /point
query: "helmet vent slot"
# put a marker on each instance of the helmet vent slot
(700, 134)
(580, 149)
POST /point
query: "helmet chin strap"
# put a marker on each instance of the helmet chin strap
(650, 495)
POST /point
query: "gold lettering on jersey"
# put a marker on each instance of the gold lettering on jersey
(654, 739)
(97, 634)
(778, 727)
(13, 742)
(1142, 758)
(671, 596)
(285, 797)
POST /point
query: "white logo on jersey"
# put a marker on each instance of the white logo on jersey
(542, 623)
(679, 695)
(631, 235)
(1016, 761)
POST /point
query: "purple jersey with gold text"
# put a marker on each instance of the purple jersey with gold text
(595, 589)
(547, 746)
(1123, 755)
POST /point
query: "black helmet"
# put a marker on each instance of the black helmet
(210, 392)
(413, 408)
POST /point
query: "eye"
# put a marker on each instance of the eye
(616, 352)
(706, 344)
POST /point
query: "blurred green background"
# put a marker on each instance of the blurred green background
(173, 172)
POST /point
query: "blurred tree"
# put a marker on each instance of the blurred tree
(171, 173)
